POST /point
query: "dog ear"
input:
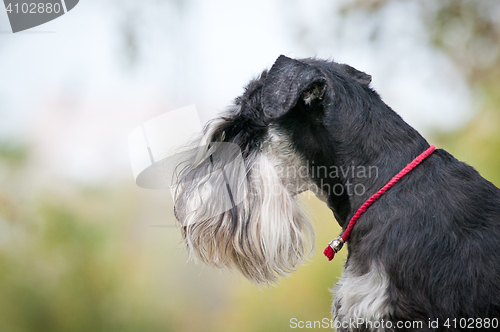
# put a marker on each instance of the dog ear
(358, 75)
(287, 81)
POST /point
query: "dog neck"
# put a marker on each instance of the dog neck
(367, 157)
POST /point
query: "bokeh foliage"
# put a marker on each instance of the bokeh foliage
(77, 259)
(64, 260)
(468, 33)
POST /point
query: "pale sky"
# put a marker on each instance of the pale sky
(66, 91)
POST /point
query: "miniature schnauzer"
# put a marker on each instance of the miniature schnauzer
(426, 251)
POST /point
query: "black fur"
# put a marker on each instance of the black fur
(436, 232)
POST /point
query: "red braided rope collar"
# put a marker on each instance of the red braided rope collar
(336, 244)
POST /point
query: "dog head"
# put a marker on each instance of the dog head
(235, 197)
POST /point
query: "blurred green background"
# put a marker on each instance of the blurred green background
(84, 249)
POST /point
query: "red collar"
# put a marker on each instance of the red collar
(336, 244)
